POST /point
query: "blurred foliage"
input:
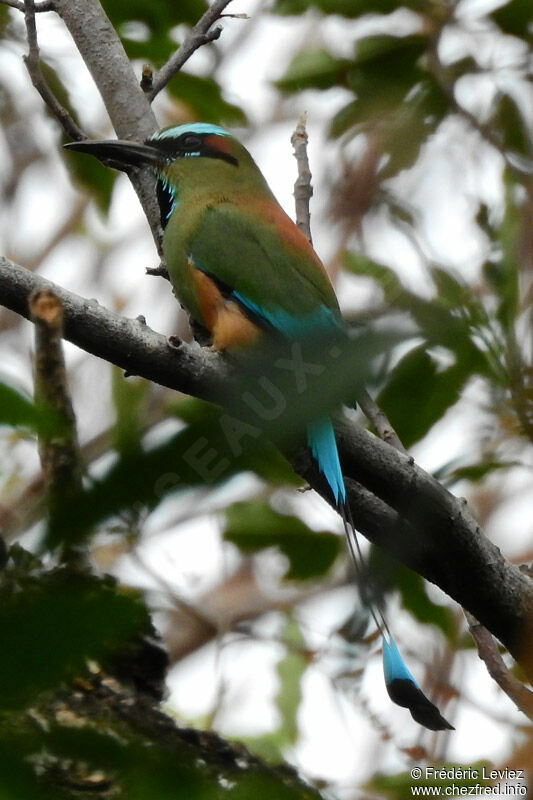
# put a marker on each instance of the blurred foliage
(20, 412)
(203, 99)
(290, 671)
(67, 730)
(146, 28)
(218, 443)
(130, 399)
(401, 89)
(347, 8)
(202, 454)
(254, 526)
(17, 410)
(52, 622)
(516, 18)
(91, 176)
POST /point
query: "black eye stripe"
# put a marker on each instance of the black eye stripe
(190, 141)
(188, 144)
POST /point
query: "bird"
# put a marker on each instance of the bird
(244, 270)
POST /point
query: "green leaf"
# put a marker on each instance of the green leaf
(16, 410)
(158, 15)
(511, 127)
(387, 278)
(130, 397)
(4, 19)
(145, 27)
(276, 391)
(50, 630)
(389, 65)
(418, 393)
(203, 98)
(451, 291)
(274, 468)
(346, 8)
(58, 88)
(313, 68)
(476, 472)
(254, 526)
(516, 18)
(290, 670)
(91, 176)
(411, 123)
(440, 320)
(413, 591)
(18, 779)
(396, 99)
(503, 274)
(212, 449)
(193, 411)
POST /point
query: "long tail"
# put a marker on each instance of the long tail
(401, 686)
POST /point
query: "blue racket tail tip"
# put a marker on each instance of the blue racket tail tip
(404, 691)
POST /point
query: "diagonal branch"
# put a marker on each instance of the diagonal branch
(200, 34)
(488, 651)
(395, 503)
(33, 65)
(129, 110)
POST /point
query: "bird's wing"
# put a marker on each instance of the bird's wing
(262, 260)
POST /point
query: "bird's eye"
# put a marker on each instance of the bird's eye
(190, 140)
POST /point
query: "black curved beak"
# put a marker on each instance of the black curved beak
(119, 153)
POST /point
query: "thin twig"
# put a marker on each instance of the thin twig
(199, 35)
(32, 61)
(379, 420)
(147, 78)
(490, 655)
(303, 188)
(522, 173)
(303, 191)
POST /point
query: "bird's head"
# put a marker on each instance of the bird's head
(198, 140)
(176, 154)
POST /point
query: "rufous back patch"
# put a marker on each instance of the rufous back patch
(223, 318)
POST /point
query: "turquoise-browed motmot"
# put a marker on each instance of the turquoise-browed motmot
(241, 268)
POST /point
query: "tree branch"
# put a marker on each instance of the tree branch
(32, 61)
(58, 447)
(128, 108)
(128, 343)
(199, 35)
(436, 536)
(303, 189)
(488, 652)
(395, 503)
(379, 420)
